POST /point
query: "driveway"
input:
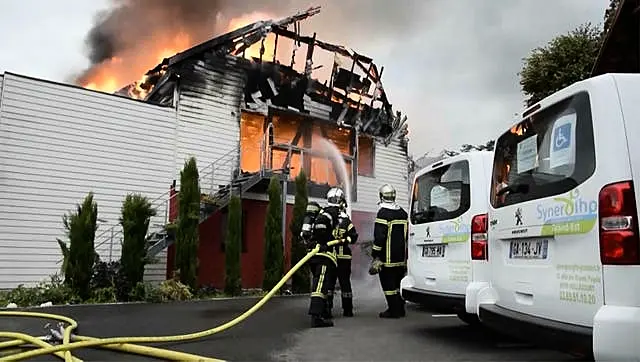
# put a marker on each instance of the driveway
(280, 332)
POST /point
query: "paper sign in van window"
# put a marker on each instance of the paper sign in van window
(439, 196)
(562, 147)
(527, 154)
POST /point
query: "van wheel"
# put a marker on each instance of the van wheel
(470, 319)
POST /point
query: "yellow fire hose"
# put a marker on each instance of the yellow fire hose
(124, 344)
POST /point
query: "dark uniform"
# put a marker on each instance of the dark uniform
(347, 231)
(319, 231)
(390, 240)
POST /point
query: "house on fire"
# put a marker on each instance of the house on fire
(244, 118)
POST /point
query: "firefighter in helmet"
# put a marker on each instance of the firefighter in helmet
(347, 232)
(318, 228)
(389, 250)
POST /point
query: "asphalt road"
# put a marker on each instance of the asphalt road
(279, 332)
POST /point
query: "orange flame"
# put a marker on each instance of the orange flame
(115, 73)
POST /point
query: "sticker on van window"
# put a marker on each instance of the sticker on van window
(562, 147)
(527, 154)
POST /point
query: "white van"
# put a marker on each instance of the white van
(447, 232)
(564, 250)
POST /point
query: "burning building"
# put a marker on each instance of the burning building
(248, 104)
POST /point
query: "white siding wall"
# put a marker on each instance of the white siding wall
(390, 167)
(209, 119)
(59, 142)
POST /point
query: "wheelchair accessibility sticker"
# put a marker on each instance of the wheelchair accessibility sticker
(562, 141)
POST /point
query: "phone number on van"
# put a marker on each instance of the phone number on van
(578, 297)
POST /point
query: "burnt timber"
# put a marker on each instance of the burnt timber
(273, 85)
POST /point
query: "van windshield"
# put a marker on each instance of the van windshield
(441, 194)
(537, 157)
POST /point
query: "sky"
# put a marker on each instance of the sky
(450, 65)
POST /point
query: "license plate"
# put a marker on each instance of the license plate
(433, 251)
(529, 249)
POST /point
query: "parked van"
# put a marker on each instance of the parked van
(564, 249)
(447, 232)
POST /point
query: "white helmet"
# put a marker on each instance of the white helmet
(335, 197)
(387, 193)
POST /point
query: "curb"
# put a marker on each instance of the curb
(152, 303)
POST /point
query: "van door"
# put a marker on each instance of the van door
(543, 219)
(439, 258)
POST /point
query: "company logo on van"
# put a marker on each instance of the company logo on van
(455, 231)
(568, 214)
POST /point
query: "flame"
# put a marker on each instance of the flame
(117, 72)
(254, 50)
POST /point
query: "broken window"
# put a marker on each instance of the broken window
(295, 163)
(322, 170)
(251, 134)
(284, 129)
(366, 156)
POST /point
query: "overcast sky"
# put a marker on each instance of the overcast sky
(451, 65)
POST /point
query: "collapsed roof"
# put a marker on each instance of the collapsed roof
(351, 100)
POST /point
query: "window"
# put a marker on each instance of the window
(366, 156)
(537, 158)
(322, 170)
(441, 194)
(251, 133)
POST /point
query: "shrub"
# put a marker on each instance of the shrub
(103, 295)
(80, 227)
(145, 292)
(301, 280)
(207, 292)
(54, 291)
(173, 290)
(187, 225)
(273, 252)
(136, 213)
(233, 248)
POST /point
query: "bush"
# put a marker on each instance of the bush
(54, 291)
(79, 255)
(273, 252)
(173, 290)
(233, 248)
(136, 213)
(103, 295)
(145, 292)
(187, 225)
(301, 279)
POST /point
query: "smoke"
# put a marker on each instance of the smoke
(130, 28)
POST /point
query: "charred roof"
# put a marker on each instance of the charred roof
(354, 96)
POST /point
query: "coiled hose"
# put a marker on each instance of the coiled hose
(126, 344)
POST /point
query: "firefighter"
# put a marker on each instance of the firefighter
(389, 250)
(347, 232)
(318, 230)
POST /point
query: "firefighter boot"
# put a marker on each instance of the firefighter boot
(392, 309)
(347, 306)
(319, 322)
(328, 310)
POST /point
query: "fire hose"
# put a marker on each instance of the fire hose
(124, 344)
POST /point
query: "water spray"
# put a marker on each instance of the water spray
(329, 149)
